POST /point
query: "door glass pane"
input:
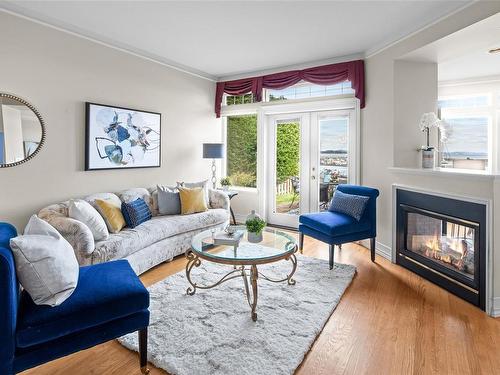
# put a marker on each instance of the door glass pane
(287, 191)
(333, 157)
(241, 150)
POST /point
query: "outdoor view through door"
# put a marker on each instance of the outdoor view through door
(333, 156)
(310, 154)
(287, 197)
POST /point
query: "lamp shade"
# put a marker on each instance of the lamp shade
(213, 150)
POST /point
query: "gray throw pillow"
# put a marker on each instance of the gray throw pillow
(349, 204)
(169, 201)
(46, 264)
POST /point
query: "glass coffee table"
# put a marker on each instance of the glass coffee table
(274, 246)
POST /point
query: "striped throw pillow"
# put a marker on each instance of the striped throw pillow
(136, 212)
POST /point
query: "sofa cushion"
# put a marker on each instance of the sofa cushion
(192, 200)
(202, 184)
(45, 263)
(349, 204)
(333, 223)
(111, 214)
(108, 197)
(136, 212)
(130, 240)
(131, 195)
(105, 292)
(169, 201)
(83, 211)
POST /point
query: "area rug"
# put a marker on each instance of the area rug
(212, 331)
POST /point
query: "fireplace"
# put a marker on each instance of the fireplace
(444, 240)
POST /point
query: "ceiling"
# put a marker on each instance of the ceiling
(464, 54)
(216, 39)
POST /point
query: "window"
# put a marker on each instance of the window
(241, 150)
(467, 144)
(468, 134)
(474, 101)
(238, 99)
(303, 90)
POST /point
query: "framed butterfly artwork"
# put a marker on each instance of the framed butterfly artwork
(121, 138)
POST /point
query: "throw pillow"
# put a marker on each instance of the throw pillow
(200, 184)
(349, 204)
(192, 200)
(111, 214)
(46, 264)
(169, 201)
(81, 210)
(136, 212)
(108, 197)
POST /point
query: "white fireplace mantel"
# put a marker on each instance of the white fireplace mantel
(447, 172)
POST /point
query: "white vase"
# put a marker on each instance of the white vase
(428, 159)
(254, 237)
(253, 215)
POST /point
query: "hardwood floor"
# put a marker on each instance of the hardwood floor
(390, 321)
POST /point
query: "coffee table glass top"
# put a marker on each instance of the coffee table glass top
(274, 244)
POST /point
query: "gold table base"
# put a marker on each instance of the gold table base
(249, 273)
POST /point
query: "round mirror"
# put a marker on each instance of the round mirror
(22, 132)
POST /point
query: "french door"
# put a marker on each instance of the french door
(308, 155)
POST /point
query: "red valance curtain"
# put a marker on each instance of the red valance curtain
(353, 71)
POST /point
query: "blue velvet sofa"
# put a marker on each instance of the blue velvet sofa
(336, 228)
(109, 301)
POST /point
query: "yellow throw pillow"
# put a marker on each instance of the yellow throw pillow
(111, 214)
(192, 200)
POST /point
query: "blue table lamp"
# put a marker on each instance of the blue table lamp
(213, 151)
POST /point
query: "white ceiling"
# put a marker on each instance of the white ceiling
(227, 38)
(464, 54)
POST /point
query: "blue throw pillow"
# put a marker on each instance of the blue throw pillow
(136, 212)
(349, 204)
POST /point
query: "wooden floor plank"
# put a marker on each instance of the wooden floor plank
(390, 321)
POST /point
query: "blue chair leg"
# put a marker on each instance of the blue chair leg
(331, 248)
(143, 350)
(372, 248)
(301, 241)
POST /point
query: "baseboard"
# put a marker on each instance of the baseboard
(380, 249)
(495, 307)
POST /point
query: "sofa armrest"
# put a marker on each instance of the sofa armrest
(76, 233)
(218, 199)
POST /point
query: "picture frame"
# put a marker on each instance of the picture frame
(121, 138)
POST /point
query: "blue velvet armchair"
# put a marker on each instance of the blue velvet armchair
(109, 301)
(337, 228)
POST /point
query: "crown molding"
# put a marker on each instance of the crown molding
(303, 65)
(384, 46)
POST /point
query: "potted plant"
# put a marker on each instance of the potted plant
(225, 182)
(427, 121)
(255, 224)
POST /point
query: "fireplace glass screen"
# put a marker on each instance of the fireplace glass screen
(442, 241)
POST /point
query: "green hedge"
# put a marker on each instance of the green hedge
(242, 150)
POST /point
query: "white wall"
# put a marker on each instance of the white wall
(57, 73)
(380, 138)
(415, 93)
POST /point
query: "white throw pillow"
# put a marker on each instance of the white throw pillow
(46, 264)
(81, 210)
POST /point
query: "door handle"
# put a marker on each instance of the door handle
(313, 177)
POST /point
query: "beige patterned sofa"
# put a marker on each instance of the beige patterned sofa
(145, 246)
